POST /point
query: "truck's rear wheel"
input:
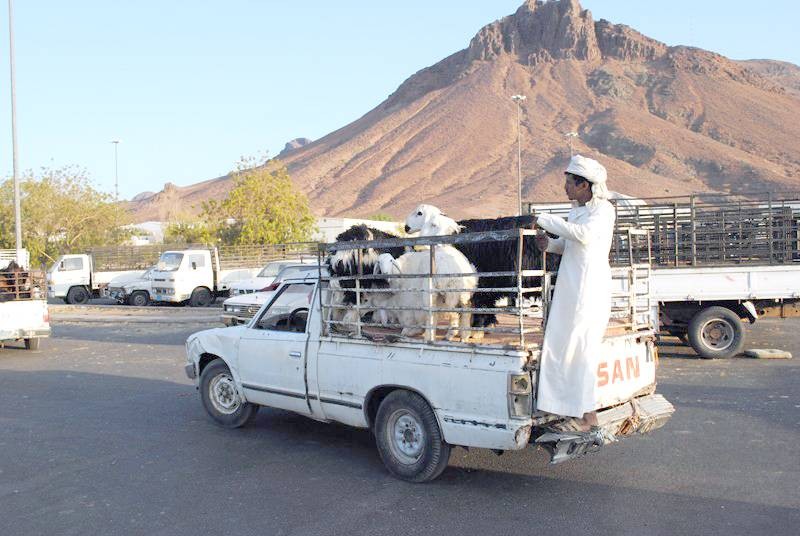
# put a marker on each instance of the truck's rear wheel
(77, 295)
(408, 438)
(140, 298)
(32, 344)
(221, 399)
(201, 297)
(716, 332)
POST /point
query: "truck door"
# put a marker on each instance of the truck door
(272, 352)
(71, 270)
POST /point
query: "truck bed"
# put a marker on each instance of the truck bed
(746, 282)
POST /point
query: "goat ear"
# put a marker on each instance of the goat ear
(396, 265)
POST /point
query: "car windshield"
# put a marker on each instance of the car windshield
(169, 262)
(290, 271)
(272, 269)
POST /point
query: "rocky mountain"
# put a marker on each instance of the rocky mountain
(664, 120)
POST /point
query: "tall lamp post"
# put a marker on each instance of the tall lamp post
(116, 170)
(570, 136)
(518, 99)
(17, 213)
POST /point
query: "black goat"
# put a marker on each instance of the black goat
(501, 256)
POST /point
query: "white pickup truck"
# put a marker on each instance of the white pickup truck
(76, 278)
(23, 307)
(420, 397)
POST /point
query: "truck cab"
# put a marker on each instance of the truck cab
(185, 275)
(70, 277)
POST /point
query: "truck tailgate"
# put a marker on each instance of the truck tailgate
(23, 316)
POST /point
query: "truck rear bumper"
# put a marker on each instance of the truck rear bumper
(16, 334)
(638, 416)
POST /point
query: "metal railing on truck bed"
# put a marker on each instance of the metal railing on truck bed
(19, 285)
(709, 229)
(258, 255)
(526, 291)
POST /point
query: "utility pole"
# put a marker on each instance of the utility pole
(116, 171)
(570, 136)
(17, 212)
(518, 99)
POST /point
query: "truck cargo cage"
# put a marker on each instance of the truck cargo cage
(709, 229)
(257, 255)
(22, 285)
(521, 312)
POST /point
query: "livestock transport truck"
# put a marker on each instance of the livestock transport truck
(421, 396)
(23, 307)
(718, 261)
(196, 277)
(77, 278)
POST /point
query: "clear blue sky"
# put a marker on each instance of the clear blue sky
(191, 85)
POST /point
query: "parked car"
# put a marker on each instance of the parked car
(241, 308)
(128, 290)
(266, 276)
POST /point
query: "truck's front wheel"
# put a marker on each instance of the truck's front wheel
(408, 438)
(221, 399)
(716, 332)
(78, 295)
(201, 297)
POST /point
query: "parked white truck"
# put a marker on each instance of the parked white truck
(23, 307)
(77, 278)
(421, 397)
(718, 260)
(198, 276)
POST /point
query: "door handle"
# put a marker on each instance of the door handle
(295, 354)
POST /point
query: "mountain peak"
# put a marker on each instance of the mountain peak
(541, 31)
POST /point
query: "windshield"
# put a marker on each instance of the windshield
(169, 262)
(271, 270)
(291, 271)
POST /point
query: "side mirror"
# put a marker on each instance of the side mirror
(194, 266)
(61, 266)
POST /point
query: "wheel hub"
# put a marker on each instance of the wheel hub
(717, 334)
(408, 437)
(223, 393)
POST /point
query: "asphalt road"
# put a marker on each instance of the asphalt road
(100, 433)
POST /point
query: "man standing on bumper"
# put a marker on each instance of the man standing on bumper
(581, 302)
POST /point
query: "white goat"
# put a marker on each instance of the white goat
(430, 221)
(415, 294)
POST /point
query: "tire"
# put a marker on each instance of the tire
(139, 298)
(201, 297)
(409, 441)
(77, 295)
(221, 399)
(32, 344)
(716, 332)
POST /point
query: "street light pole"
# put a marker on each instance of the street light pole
(116, 171)
(570, 136)
(17, 212)
(518, 99)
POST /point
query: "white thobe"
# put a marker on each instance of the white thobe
(579, 310)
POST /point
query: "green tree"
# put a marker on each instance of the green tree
(62, 212)
(263, 207)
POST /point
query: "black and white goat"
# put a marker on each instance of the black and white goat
(491, 256)
(345, 263)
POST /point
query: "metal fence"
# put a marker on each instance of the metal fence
(521, 311)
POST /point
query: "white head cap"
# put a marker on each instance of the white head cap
(591, 170)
